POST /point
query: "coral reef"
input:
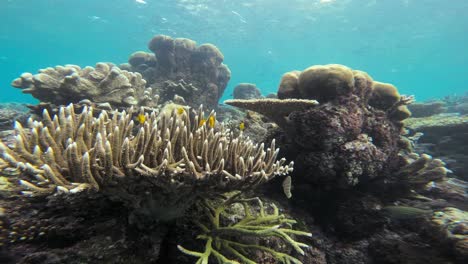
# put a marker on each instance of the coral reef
(229, 239)
(444, 137)
(105, 83)
(351, 136)
(175, 154)
(246, 91)
(180, 60)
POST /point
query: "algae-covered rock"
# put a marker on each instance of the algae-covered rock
(351, 135)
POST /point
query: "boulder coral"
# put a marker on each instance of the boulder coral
(246, 91)
(181, 60)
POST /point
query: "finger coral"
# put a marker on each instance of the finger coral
(175, 152)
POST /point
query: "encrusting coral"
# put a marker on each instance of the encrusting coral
(105, 83)
(180, 154)
(236, 242)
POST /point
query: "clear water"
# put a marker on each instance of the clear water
(418, 45)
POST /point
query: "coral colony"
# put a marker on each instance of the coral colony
(136, 136)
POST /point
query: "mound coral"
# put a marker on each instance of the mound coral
(172, 155)
(181, 60)
(246, 91)
(352, 136)
(105, 83)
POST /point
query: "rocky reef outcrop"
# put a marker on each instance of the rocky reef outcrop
(352, 135)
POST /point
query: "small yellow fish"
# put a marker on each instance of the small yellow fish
(141, 118)
(180, 110)
(211, 121)
(202, 122)
(242, 126)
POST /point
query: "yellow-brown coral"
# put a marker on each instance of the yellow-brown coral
(71, 152)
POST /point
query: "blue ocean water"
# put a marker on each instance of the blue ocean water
(418, 45)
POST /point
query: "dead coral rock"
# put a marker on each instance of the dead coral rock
(276, 109)
(105, 83)
(81, 228)
(246, 91)
(181, 59)
(352, 163)
(328, 125)
(352, 136)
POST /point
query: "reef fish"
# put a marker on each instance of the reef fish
(405, 212)
(180, 110)
(242, 126)
(202, 122)
(211, 121)
(141, 118)
(287, 187)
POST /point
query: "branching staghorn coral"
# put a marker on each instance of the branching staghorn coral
(227, 243)
(71, 152)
